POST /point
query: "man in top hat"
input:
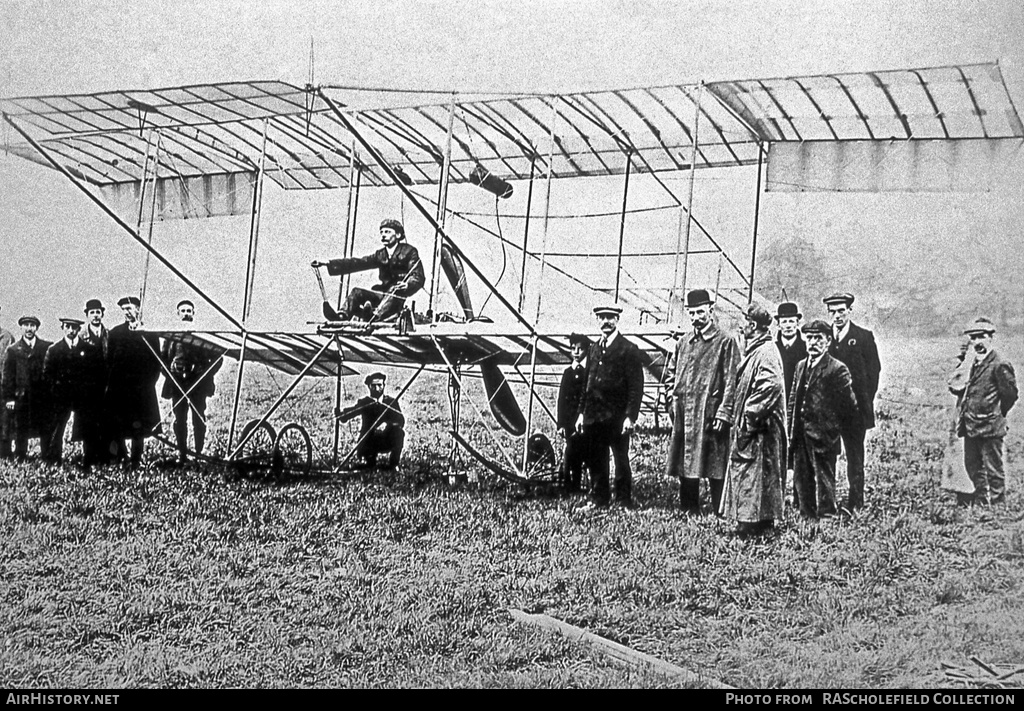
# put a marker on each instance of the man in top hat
(398, 267)
(24, 389)
(189, 384)
(753, 488)
(74, 370)
(702, 382)
(790, 343)
(383, 425)
(610, 407)
(570, 395)
(6, 340)
(987, 396)
(855, 348)
(823, 400)
(133, 367)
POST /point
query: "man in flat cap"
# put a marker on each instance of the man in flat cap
(753, 485)
(188, 383)
(6, 340)
(986, 398)
(702, 378)
(74, 370)
(570, 396)
(610, 407)
(855, 348)
(790, 343)
(398, 267)
(133, 367)
(823, 400)
(383, 425)
(25, 394)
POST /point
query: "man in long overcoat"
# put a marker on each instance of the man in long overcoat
(133, 367)
(753, 488)
(823, 399)
(702, 377)
(610, 408)
(74, 370)
(26, 397)
(987, 396)
(6, 340)
(855, 348)
(399, 269)
(570, 396)
(382, 426)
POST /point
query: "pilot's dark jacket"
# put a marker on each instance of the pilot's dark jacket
(405, 264)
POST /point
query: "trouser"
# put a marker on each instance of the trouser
(181, 410)
(138, 446)
(605, 436)
(391, 440)
(853, 443)
(814, 477)
(689, 494)
(573, 460)
(983, 460)
(367, 304)
(55, 437)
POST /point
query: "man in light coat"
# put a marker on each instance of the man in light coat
(753, 486)
(702, 377)
(989, 393)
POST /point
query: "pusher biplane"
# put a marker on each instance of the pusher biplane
(145, 156)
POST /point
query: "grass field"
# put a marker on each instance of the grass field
(193, 578)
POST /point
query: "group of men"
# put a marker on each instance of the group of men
(106, 379)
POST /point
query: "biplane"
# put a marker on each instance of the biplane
(201, 151)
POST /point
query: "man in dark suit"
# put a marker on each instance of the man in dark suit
(823, 399)
(192, 381)
(790, 343)
(987, 396)
(570, 395)
(6, 434)
(383, 425)
(855, 348)
(610, 407)
(74, 370)
(398, 267)
(25, 394)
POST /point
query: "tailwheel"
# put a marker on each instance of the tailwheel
(257, 452)
(293, 451)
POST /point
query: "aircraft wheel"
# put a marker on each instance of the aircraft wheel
(293, 450)
(257, 453)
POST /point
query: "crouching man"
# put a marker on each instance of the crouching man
(383, 424)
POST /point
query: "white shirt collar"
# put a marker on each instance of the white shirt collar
(612, 337)
(842, 334)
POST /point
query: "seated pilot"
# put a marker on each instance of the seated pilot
(382, 430)
(399, 269)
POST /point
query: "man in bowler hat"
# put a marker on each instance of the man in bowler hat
(610, 407)
(855, 348)
(382, 430)
(788, 340)
(74, 370)
(570, 394)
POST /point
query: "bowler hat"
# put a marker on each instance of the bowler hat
(980, 325)
(374, 376)
(606, 310)
(840, 297)
(817, 326)
(698, 297)
(71, 322)
(392, 224)
(125, 300)
(788, 309)
(758, 314)
(93, 304)
(580, 339)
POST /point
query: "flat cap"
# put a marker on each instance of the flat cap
(29, 319)
(698, 297)
(980, 325)
(71, 322)
(374, 376)
(840, 297)
(605, 310)
(817, 326)
(125, 300)
(185, 302)
(392, 224)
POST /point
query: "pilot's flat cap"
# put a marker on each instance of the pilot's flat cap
(392, 224)
(788, 309)
(817, 326)
(980, 325)
(71, 322)
(611, 310)
(125, 300)
(698, 297)
(840, 297)
(93, 304)
(28, 319)
(374, 376)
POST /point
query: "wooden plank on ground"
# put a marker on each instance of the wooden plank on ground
(618, 652)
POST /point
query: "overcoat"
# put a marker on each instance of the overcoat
(570, 395)
(791, 355)
(405, 264)
(858, 352)
(133, 368)
(703, 373)
(24, 383)
(753, 487)
(615, 382)
(76, 377)
(990, 392)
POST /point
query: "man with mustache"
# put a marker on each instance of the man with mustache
(990, 392)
